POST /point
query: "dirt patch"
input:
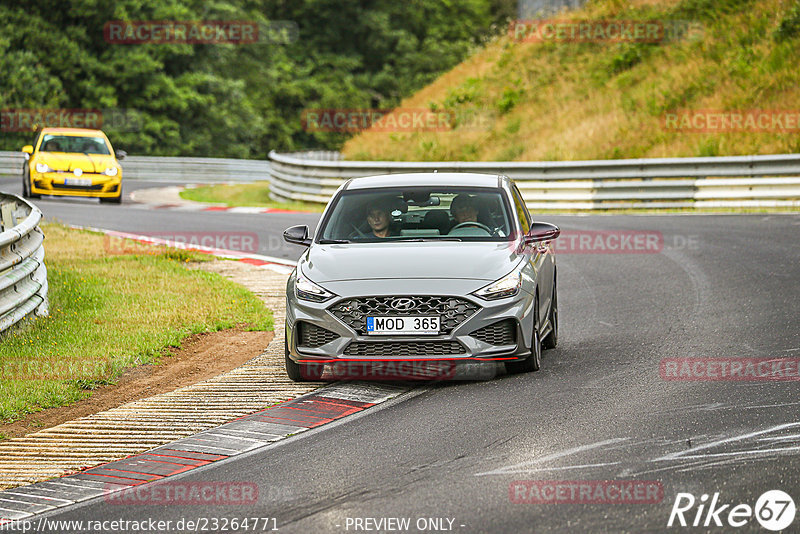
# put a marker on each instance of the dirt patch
(201, 356)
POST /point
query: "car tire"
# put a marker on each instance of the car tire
(533, 362)
(299, 372)
(551, 341)
(26, 188)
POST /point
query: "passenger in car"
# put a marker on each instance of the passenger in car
(52, 146)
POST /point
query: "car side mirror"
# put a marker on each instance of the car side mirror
(120, 154)
(27, 150)
(542, 231)
(297, 235)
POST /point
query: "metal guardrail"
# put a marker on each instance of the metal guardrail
(733, 181)
(168, 169)
(23, 275)
(11, 164)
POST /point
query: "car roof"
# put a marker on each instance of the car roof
(426, 179)
(71, 131)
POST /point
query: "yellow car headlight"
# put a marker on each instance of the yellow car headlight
(111, 171)
(43, 167)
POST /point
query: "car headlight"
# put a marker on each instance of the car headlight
(305, 289)
(111, 171)
(43, 167)
(508, 286)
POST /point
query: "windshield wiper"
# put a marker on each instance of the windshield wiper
(333, 241)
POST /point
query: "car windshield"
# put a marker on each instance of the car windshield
(418, 214)
(74, 144)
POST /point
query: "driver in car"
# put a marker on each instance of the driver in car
(379, 219)
(464, 209)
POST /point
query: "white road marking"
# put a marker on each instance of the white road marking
(522, 467)
(689, 453)
(781, 438)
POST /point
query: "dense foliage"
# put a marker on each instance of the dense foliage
(230, 100)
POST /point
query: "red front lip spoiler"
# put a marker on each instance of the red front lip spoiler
(407, 360)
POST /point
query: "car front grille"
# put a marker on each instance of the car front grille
(403, 349)
(312, 336)
(500, 333)
(452, 311)
(97, 187)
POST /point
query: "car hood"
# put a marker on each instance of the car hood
(70, 161)
(428, 260)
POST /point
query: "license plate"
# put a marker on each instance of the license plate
(402, 325)
(82, 182)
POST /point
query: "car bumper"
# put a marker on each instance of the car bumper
(499, 330)
(57, 184)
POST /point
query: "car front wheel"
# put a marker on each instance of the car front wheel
(299, 372)
(26, 188)
(551, 341)
(534, 361)
(113, 200)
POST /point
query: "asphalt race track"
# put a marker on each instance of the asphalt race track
(445, 455)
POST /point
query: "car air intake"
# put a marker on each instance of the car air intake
(500, 333)
(404, 349)
(312, 336)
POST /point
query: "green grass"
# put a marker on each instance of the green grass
(254, 194)
(110, 312)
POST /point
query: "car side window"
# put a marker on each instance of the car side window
(522, 211)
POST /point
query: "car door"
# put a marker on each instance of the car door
(541, 256)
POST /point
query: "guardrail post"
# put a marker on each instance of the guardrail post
(7, 215)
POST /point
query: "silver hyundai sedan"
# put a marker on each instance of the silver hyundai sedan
(425, 267)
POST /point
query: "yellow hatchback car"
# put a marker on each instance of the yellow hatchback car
(72, 162)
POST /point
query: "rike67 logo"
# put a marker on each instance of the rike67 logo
(774, 510)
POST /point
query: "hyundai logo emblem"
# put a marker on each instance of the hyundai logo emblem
(403, 304)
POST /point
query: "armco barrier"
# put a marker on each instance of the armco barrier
(166, 169)
(23, 276)
(734, 181)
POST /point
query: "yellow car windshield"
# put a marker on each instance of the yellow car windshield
(74, 144)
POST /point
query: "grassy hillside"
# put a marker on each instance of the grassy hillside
(599, 100)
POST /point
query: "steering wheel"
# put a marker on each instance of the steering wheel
(472, 223)
(358, 232)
